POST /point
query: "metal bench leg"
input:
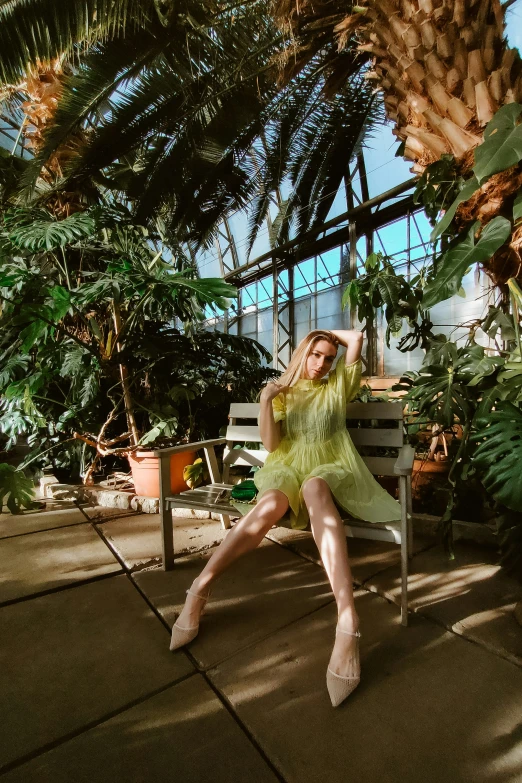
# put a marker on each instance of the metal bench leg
(225, 522)
(167, 533)
(404, 549)
(410, 523)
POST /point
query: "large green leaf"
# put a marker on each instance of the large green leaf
(389, 288)
(50, 234)
(468, 189)
(456, 261)
(438, 393)
(16, 491)
(496, 319)
(499, 454)
(502, 145)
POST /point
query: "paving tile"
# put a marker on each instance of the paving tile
(33, 521)
(264, 590)
(72, 657)
(430, 706)
(184, 734)
(471, 595)
(52, 558)
(137, 539)
(367, 557)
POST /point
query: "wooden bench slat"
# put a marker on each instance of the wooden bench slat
(244, 410)
(375, 410)
(245, 456)
(242, 432)
(354, 410)
(381, 466)
(365, 436)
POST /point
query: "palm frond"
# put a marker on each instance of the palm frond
(42, 30)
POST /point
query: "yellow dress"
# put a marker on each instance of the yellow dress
(315, 442)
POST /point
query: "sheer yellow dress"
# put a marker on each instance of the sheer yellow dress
(315, 442)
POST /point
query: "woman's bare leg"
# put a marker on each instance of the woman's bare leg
(246, 535)
(329, 535)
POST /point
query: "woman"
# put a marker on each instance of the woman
(312, 464)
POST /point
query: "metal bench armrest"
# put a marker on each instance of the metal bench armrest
(404, 464)
(199, 444)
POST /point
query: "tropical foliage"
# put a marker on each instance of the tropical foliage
(481, 395)
(179, 113)
(100, 349)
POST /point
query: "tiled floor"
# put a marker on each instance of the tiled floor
(90, 692)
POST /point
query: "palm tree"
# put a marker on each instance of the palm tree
(181, 114)
(444, 69)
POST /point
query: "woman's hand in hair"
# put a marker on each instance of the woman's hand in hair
(353, 340)
(271, 391)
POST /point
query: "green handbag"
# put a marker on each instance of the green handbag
(244, 492)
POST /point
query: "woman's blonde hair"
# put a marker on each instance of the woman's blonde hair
(297, 363)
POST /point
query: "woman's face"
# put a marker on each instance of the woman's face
(320, 360)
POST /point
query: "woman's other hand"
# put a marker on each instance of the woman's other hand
(271, 391)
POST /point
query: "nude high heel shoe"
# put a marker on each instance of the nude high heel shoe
(340, 687)
(181, 636)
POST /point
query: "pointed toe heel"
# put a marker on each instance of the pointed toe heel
(339, 687)
(182, 636)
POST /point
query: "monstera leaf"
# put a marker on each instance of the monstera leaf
(454, 263)
(49, 234)
(16, 491)
(438, 393)
(499, 454)
(502, 147)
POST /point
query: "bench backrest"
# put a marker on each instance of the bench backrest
(359, 415)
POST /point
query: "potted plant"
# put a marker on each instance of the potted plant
(102, 350)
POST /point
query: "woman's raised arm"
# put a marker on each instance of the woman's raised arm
(352, 340)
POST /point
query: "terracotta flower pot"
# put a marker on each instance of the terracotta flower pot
(145, 472)
(425, 470)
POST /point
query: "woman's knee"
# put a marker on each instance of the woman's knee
(316, 489)
(272, 505)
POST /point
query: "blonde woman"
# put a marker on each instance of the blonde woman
(312, 465)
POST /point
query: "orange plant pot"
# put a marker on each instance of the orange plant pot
(145, 472)
(424, 472)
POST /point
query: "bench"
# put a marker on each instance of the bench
(368, 438)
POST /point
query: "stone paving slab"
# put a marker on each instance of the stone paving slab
(184, 734)
(137, 539)
(33, 521)
(53, 558)
(471, 595)
(74, 656)
(430, 706)
(264, 590)
(367, 557)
